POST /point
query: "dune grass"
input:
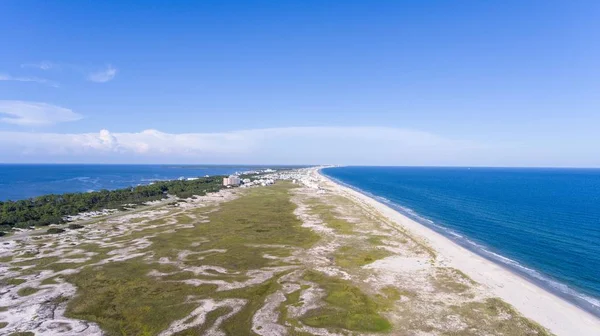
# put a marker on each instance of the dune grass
(346, 307)
(357, 255)
(124, 300)
(13, 281)
(326, 211)
(496, 317)
(25, 291)
(448, 279)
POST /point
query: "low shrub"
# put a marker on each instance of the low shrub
(55, 230)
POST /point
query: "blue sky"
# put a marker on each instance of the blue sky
(500, 83)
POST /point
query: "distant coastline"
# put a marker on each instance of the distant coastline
(23, 181)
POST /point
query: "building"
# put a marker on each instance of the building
(232, 180)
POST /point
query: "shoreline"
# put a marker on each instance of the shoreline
(558, 315)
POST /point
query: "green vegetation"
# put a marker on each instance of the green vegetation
(449, 279)
(50, 209)
(496, 317)
(55, 230)
(243, 230)
(327, 214)
(75, 226)
(49, 281)
(106, 297)
(3, 324)
(24, 333)
(14, 281)
(346, 307)
(355, 255)
(25, 291)
(6, 259)
(264, 216)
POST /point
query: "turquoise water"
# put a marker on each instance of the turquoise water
(21, 181)
(543, 224)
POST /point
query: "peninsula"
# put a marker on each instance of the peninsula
(303, 256)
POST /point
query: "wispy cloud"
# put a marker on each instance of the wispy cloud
(26, 113)
(6, 77)
(104, 75)
(99, 75)
(44, 65)
(293, 145)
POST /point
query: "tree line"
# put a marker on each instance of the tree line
(51, 209)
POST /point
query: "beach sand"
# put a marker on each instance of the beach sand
(555, 314)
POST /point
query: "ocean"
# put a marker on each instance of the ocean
(543, 224)
(22, 181)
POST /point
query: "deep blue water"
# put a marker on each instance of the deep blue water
(21, 181)
(543, 224)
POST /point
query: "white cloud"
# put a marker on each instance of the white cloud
(293, 145)
(34, 114)
(44, 65)
(6, 77)
(103, 76)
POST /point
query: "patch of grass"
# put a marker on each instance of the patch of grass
(30, 254)
(55, 230)
(328, 215)
(452, 280)
(293, 298)
(49, 281)
(376, 240)
(391, 293)
(184, 219)
(347, 307)
(124, 300)
(6, 259)
(54, 263)
(354, 255)
(241, 323)
(39, 262)
(14, 281)
(75, 226)
(77, 256)
(22, 333)
(61, 266)
(211, 318)
(494, 316)
(422, 247)
(138, 219)
(25, 291)
(3, 324)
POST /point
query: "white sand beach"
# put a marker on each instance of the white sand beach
(555, 314)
